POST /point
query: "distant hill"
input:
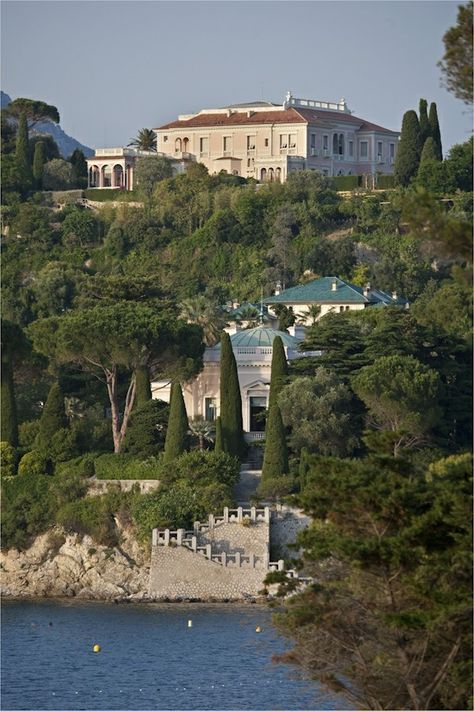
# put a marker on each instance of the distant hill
(66, 144)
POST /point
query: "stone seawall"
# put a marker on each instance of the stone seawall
(177, 573)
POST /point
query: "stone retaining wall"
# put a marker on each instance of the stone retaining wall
(97, 487)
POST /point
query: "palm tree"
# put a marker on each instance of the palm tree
(145, 140)
(313, 312)
(202, 429)
(250, 314)
(207, 314)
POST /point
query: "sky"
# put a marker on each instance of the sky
(113, 67)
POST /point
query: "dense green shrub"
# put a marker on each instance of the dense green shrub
(35, 463)
(146, 429)
(53, 417)
(126, 466)
(274, 488)
(27, 509)
(27, 433)
(203, 467)
(346, 182)
(63, 445)
(91, 516)
(385, 182)
(7, 459)
(106, 195)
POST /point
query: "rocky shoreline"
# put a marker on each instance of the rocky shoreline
(64, 565)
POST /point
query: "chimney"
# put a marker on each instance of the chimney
(334, 285)
(367, 289)
(277, 288)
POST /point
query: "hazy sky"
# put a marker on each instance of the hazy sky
(113, 67)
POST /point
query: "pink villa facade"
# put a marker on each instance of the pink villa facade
(115, 167)
(267, 141)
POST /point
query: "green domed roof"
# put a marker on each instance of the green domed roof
(262, 336)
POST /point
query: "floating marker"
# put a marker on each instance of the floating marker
(258, 629)
(190, 623)
(96, 648)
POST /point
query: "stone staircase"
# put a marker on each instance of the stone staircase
(226, 557)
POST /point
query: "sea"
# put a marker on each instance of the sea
(152, 656)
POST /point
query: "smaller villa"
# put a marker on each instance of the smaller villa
(253, 350)
(331, 294)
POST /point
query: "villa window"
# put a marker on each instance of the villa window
(392, 151)
(351, 149)
(364, 149)
(326, 144)
(283, 141)
(379, 149)
(266, 143)
(258, 405)
(165, 139)
(210, 409)
(292, 140)
(250, 143)
(341, 144)
(227, 145)
(335, 144)
(204, 146)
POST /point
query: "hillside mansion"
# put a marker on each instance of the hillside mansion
(261, 140)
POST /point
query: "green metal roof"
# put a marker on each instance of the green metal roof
(320, 290)
(261, 336)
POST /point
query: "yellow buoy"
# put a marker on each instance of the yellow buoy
(258, 629)
(190, 623)
(96, 648)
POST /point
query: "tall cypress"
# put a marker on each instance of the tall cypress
(39, 160)
(425, 127)
(21, 152)
(409, 149)
(429, 151)
(279, 371)
(9, 422)
(177, 434)
(218, 440)
(275, 458)
(231, 402)
(142, 386)
(435, 132)
(53, 417)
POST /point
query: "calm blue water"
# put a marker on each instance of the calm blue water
(150, 659)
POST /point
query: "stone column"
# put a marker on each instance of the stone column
(281, 565)
(239, 514)
(208, 551)
(179, 536)
(211, 521)
(154, 537)
(194, 543)
(224, 558)
(237, 559)
(167, 537)
(253, 513)
(226, 514)
(267, 514)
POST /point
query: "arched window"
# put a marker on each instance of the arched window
(185, 144)
(271, 175)
(177, 145)
(263, 175)
(106, 176)
(278, 175)
(118, 176)
(94, 177)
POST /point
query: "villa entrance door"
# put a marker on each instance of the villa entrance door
(258, 405)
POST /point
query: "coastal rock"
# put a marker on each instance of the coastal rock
(59, 564)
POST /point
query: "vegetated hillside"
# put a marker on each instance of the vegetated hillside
(97, 302)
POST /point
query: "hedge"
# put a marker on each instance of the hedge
(347, 182)
(385, 181)
(126, 466)
(99, 195)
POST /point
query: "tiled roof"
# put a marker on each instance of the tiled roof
(320, 291)
(239, 118)
(291, 115)
(313, 116)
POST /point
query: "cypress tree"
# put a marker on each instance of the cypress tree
(231, 402)
(279, 372)
(435, 132)
(425, 127)
(409, 149)
(142, 386)
(429, 151)
(53, 417)
(21, 152)
(39, 160)
(275, 458)
(218, 441)
(9, 422)
(177, 434)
